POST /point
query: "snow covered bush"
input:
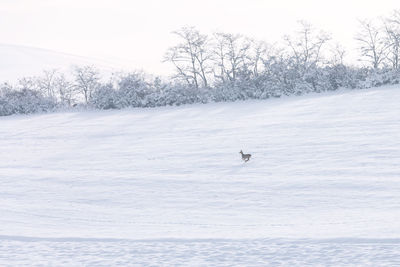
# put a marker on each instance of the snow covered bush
(180, 94)
(134, 91)
(24, 101)
(341, 76)
(379, 77)
(105, 97)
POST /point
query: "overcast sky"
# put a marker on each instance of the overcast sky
(139, 32)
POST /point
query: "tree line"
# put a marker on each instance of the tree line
(222, 67)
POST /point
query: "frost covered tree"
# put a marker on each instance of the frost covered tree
(134, 90)
(303, 60)
(338, 53)
(231, 55)
(306, 46)
(105, 97)
(190, 57)
(260, 50)
(46, 83)
(86, 81)
(64, 90)
(30, 83)
(392, 38)
(372, 43)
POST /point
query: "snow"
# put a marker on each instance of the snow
(167, 186)
(254, 252)
(24, 61)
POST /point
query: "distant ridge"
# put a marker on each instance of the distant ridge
(18, 61)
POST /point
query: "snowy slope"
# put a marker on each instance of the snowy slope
(21, 61)
(166, 185)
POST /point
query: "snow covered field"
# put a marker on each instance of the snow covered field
(166, 186)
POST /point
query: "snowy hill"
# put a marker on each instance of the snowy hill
(20, 61)
(167, 186)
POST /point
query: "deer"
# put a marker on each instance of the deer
(245, 157)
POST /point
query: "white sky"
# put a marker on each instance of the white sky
(139, 32)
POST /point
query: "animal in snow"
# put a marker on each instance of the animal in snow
(245, 157)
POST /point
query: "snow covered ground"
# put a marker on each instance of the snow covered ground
(166, 186)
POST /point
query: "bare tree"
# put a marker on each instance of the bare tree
(86, 81)
(260, 50)
(52, 84)
(219, 56)
(45, 83)
(30, 83)
(372, 43)
(231, 54)
(392, 39)
(338, 52)
(306, 46)
(64, 89)
(190, 57)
